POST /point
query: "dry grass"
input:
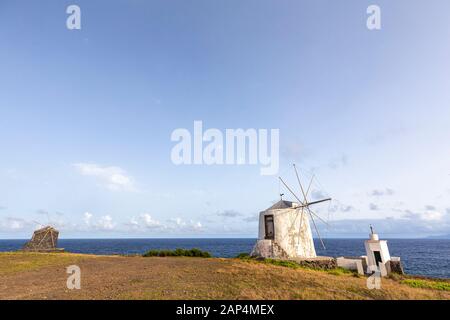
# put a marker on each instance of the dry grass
(43, 276)
(14, 262)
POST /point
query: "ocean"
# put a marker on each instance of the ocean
(427, 257)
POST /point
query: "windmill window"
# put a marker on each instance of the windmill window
(269, 226)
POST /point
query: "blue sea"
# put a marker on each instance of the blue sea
(427, 257)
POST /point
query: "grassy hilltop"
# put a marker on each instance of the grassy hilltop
(43, 276)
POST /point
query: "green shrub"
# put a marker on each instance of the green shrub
(294, 265)
(151, 253)
(243, 256)
(282, 263)
(340, 271)
(177, 253)
(427, 284)
(395, 276)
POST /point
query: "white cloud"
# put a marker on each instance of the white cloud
(14, 223)
(113, 178)
(177, 221)
(229, 214)
(318, 195)
(149, 221)
(411, 224)
(430, 215)
(87, 218)
(179, 225)
(198, 225)
(145, 221)
(379, 193)
(252, 218)
(106, 223)
(427, 216)
(340, 207)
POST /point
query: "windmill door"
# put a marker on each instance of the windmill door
(378, 259)
(270, 230)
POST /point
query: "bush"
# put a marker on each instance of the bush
(178, 253)
(282, 263)
(418, 283)
(341, 271)
(243, 256)
(395, 276)
(151, 253)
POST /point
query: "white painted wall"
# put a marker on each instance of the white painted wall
(377, 245)
(351, 264)
(296, 243)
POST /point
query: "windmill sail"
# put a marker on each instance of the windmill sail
(306, 204)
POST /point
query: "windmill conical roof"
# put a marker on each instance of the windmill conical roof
(282, 204)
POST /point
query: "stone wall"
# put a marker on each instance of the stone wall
(396, 266)
(321, 264)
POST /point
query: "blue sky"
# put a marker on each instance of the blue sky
(86, 115)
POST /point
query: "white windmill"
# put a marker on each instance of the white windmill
(284, 228)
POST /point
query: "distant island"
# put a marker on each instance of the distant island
(445, 236)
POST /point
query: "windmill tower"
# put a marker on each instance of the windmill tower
(44, 239)
(284, 228)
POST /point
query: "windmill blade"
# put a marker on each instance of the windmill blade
(318, 217)
(317, 230)
(300, 183)
(306, 203)
(318, 201)
(304, 195)
(309, 186)
(284, 183)
(301, 219)
(302, 204)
